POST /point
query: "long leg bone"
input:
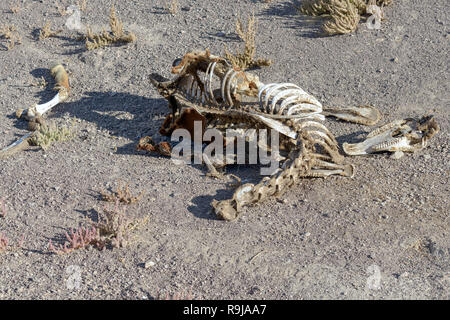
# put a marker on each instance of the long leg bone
(63, 88)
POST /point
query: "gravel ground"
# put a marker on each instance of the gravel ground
(383, 234)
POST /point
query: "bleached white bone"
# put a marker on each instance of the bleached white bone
(402, 135)
(62, 85)
(366, 115)
(39, 109)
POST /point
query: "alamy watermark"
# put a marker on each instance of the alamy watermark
(374, 21)
(374, 280)
(249, 146)
(73, 22)
(73, 282)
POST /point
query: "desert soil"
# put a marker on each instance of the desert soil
(383, 234)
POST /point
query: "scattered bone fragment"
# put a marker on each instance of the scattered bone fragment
(62, 86)
(34, 115)
(408, 135)
(366, 115)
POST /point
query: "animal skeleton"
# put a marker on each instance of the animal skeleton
(208, 88)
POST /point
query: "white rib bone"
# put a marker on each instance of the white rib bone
(224, 82)
(211, 73)
(277, 125)
(301, 97)
(230, 81)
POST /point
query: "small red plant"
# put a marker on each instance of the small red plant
(3, 242)
(80, 238)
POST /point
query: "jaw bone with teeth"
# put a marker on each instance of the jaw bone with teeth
(406, 135)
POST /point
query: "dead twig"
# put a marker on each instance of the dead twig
(246, 59)
(122, 194)
(47, 32)
(116, 35)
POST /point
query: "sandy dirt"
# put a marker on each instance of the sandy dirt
(383, 234)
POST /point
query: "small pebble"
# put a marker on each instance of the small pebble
(397, 155)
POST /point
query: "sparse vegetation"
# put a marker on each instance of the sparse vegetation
(47, 32)
(122, 194)
(78, 239)
(16, 7)
(116, 35)
(114, 226)
(173, 6)
(45, 135)
(4, 241)
(112, 229)
(344, 15)
(82, 4)
(12, 36)
(41, 83)
(246, 59)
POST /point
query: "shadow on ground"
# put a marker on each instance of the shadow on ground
(308, 27)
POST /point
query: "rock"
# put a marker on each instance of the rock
(149, 264)
(397, 155)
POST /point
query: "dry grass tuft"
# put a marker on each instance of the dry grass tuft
(5, 244)
(41, 83)
(122, 194)
(344, 15)
(173, 7)
(45, 135)
(116, 35)
(112, 229)
(16, 7)
(115, 226)
(83, 237)
(314, 7)
(245, 59)
(47, 32)
(82, 5)
(10, 34)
